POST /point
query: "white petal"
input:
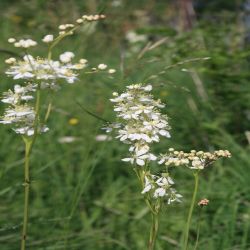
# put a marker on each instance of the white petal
(127, 159)
(146, 189)
(140, 162)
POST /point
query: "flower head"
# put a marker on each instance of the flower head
(143, 123)
(47, 70)
(48, 39)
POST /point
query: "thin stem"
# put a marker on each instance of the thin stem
(153, 231)
(26, 192)
(154, 209)
(29, 142)
(37, 114)
(198, 229)
(58, 39)
(196, 178)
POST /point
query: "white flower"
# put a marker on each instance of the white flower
(66, 57)
(10, 60)
(148, 88)
(161, 187)
(48, 38)
(111, 71)
(11, 40)
(79, 20)
(62, 27)
(102, 66)
(159, 192)
(83, 61)
(164, 181)
(148, 186)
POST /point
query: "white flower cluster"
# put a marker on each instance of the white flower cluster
(42, 73)
(143, 122)
(159, 187)
(141, 125)
(20, 114)
(44, 69)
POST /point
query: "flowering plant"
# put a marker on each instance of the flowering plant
(23, 113)
(141, 125)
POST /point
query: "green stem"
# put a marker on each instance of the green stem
(26, 192)
(29, 142)
(37, 114)
(153, 231)
(58, 39)
(196, 178)
(198, 229)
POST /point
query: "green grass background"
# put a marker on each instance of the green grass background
(82, 195)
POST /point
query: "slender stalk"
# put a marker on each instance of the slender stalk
(154, 209)
(58, 39)
(186, 235)
(198, 229)
(26, 192)
(37, 114)
(29, 142)
(153, 231)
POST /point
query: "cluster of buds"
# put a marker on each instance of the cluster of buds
(91, 18)
(160, 187)
(23, 43)
(69, 27)
(194, 159)
(142, 122)
(203, 202)
(103, 67)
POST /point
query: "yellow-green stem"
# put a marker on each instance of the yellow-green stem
(26, 193)
(153, 231)
(29, 142)
(186, 235)
(37, 114)
(198, 229)
(58, 39)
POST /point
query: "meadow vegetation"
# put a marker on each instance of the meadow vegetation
(82, 195)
